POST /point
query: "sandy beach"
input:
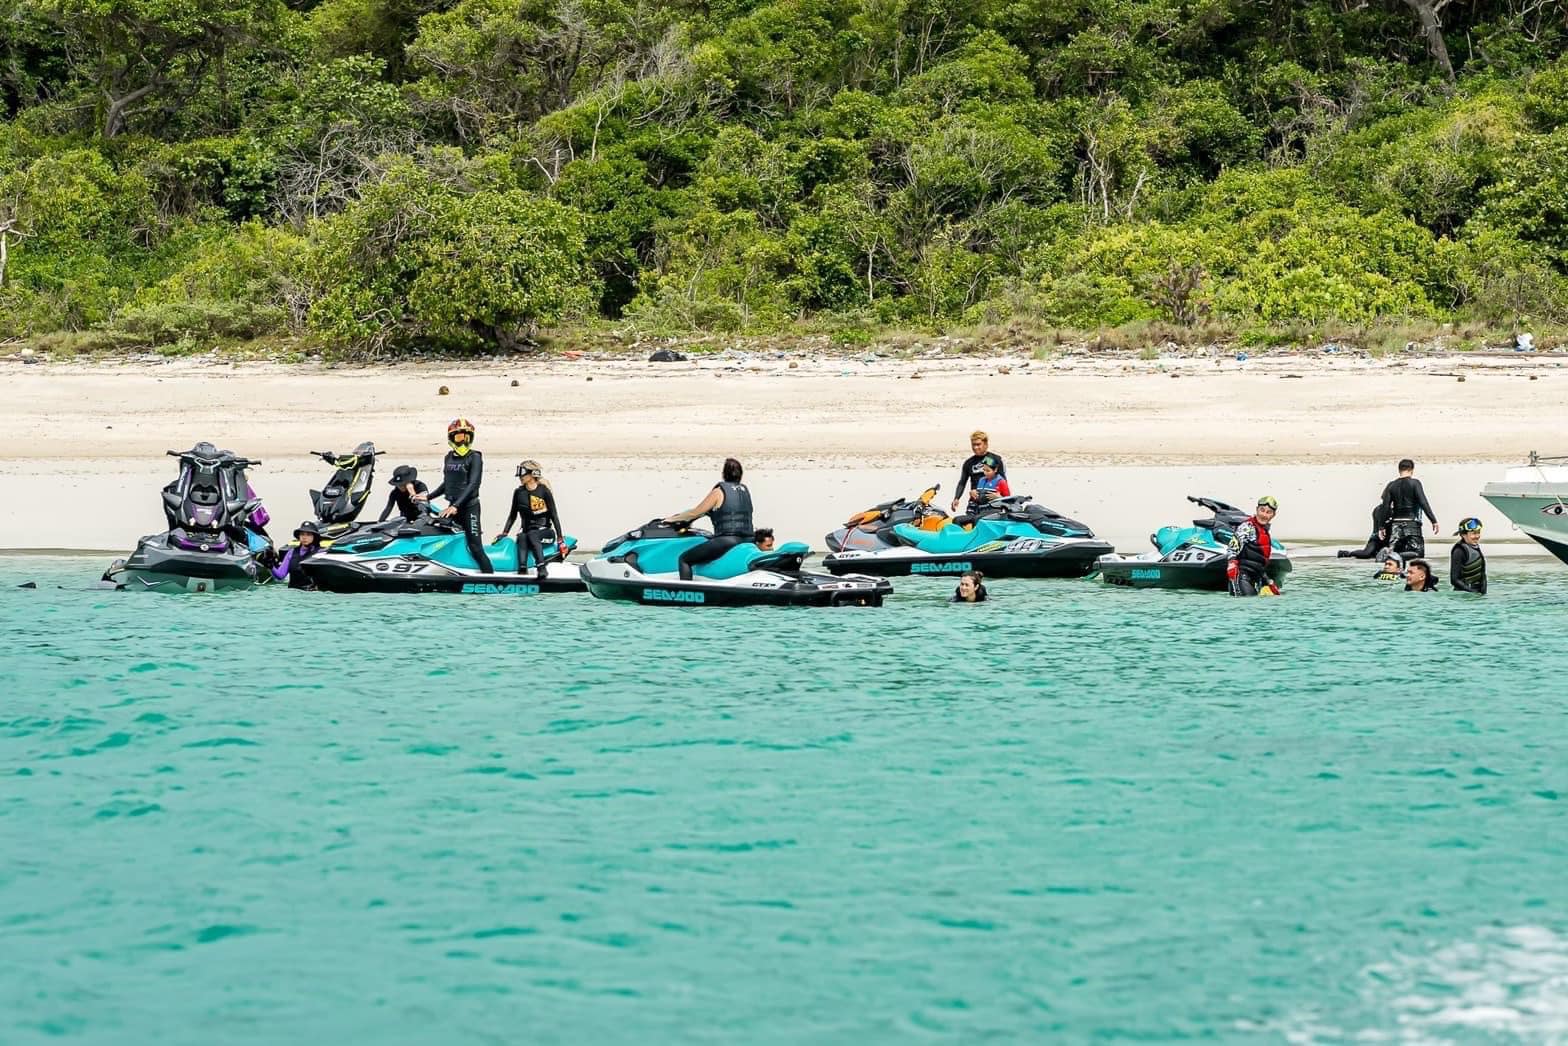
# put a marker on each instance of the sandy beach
(1115, 443)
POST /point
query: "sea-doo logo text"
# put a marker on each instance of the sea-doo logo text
(664, 595)
(1145, 575)
(938, 568)
(480, 588)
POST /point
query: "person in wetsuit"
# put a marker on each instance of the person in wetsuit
(460, 477)
(1376, 541)
(308, 537)
(407, 489)
(1418, 577)
(969, 471)
(728, 505)
(1404, 502)
(1393, 568)
(1251, 547)
(989, 485)
(1466, 563)
(533, 504)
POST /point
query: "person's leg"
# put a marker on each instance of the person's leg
(533, 543)
(706, 552)
(469, 518)
(1244, 585)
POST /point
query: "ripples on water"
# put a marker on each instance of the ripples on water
(1071, 812)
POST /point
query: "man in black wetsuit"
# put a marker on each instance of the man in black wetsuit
(969, 471)
(533, 504)
(461, 473)
(1466, 563)
(1404, 502)
(405, 496)
(728, 505)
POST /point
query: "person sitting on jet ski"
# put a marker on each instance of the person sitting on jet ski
(971, 588)
(980, 443)
(728, 505)
(406, 489)
(533, 504)
(308, 537)
(461, 473)
(1251, 546)
(990, 484)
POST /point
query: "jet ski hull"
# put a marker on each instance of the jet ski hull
(1133, 572)
(1024, 558)
(352, 574)
(619, 581)
(162, 565)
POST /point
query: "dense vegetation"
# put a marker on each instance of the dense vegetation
(380, 174)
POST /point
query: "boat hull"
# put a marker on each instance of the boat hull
(1134, 572)
(1021, 559)
(399, 576)
(617, 581)
(1540, 510)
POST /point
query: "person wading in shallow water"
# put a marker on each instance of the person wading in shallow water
(1418, 577)
(971, 588)
(1466, 563)
(1251, 547)
(1403, 503)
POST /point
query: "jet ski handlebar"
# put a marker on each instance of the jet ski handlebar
(223, 457)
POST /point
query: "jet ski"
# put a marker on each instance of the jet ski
(217, 535)
(643, 566)
(1189, 556)
(1006, 537)
(431, 555)
(341, 499)
(862, 529)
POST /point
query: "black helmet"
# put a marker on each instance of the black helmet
(403, 474)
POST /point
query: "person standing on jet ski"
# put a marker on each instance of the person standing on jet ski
(980, 443)
(1251, 546)
(1404, 502)
(308, 538)
(534, 505)
(1466, 563)
(461, 474)
(728, 505)
(407, 489)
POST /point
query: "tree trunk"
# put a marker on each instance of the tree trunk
(1426, 11)
(114, 117)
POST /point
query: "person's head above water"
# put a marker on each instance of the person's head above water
(1417, 574)
(732, 471)
(1394, 562)
(1469, 531)
(971, 588)
(1406, 466)
(307, 533)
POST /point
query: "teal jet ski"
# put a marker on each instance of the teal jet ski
(431, 555)
(1189, 556)
(1006, 537)
(643, 566)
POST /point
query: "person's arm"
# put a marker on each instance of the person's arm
(1426, 506)
(963, 481)
(714, 499)
(511, 517)
(439, 492)
(391, 504)
(555, 517)
(1388, 501)
(1233, 550)
(281, 571)
(1002, 489)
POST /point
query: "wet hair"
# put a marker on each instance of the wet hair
(732, 471)
(762, 534)
(1423, 564)
(979, 580)
(1406, 465)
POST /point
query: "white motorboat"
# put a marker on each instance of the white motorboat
(1534, 497)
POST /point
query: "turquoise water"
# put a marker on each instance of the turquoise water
(1071, 813)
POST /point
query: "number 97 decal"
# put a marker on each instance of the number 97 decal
(382, 566)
